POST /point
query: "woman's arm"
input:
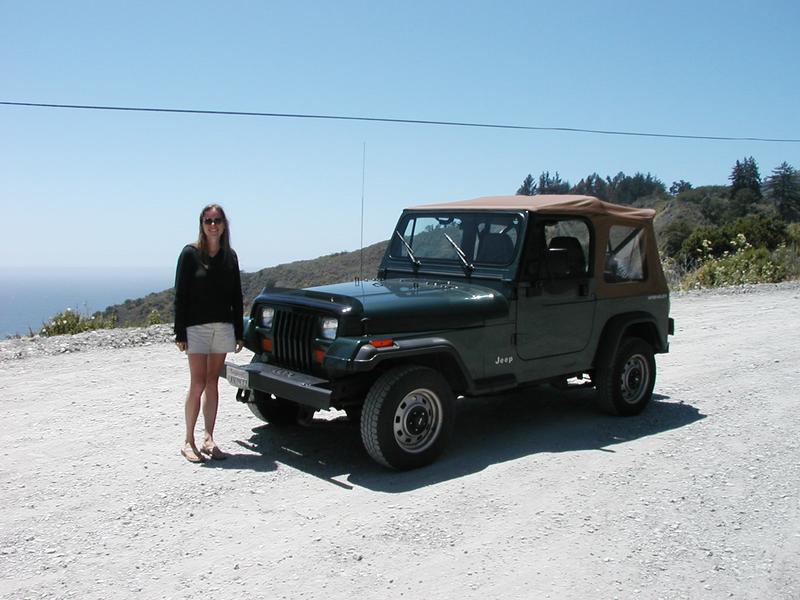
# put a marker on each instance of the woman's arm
(183, 274)
(237, 302)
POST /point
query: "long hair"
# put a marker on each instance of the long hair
(224, 239)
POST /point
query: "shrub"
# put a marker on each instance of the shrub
(154, 318)
(759, 230)
(789, 254)
(712, 200)
(793, 233)
(789, 258)
(71, 321)
(674, 235)
(675, 271)
(747, 265)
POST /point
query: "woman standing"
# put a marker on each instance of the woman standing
(208, 322)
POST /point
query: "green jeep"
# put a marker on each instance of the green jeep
(473, 297)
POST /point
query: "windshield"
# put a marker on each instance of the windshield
(484, 238)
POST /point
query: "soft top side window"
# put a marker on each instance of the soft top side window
(559, 248)
(625, 255)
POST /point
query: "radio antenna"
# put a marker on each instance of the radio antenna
(363, 177)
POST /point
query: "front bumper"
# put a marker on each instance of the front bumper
(284, 383)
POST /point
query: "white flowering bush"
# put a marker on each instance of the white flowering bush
(743, 265)
(71, 321)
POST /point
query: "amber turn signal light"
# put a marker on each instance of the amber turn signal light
(382, 343)
(266, 344)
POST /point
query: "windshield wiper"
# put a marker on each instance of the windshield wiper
(468, 268)
(414, 260)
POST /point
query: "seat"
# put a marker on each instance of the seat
(495, 248)
(576, 262)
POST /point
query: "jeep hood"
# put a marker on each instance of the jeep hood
(398, 305)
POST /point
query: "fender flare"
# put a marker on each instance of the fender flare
(367, 358)
(615, 328)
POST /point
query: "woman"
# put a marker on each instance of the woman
(208, 322)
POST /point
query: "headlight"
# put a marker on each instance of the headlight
(267, 314)
(328, 327)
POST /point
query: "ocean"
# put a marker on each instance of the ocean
(30, 297)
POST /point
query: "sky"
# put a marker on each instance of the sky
(123, 190)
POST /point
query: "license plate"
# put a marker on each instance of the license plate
(237, 377)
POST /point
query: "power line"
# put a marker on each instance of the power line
(403, 121)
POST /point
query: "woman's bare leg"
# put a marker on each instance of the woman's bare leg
(198, 367)
(211, 400)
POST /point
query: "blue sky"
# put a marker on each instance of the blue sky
(108, 189)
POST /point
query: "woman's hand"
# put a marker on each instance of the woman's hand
(181, 346)
(239, 346)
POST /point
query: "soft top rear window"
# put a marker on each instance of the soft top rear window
(625, 255)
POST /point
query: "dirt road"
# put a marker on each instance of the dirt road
(538, 496)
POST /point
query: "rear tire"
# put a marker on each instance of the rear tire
(408, 417)
(625, 380)
(274, 410)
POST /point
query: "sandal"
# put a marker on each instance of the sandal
(214, 452)
(192, 456)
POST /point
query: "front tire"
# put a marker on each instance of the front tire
(408, 417)
(273, 410)
(626, 379)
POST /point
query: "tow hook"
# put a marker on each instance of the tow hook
(243, 395)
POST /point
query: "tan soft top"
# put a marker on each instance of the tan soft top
(547, 204)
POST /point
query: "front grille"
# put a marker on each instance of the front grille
(293, 333)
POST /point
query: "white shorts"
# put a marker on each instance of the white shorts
(210, 338)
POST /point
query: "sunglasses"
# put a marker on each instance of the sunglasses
(214, 221)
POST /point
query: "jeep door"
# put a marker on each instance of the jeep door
(556, 294)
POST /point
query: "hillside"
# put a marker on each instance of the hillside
(676, 218)
(333, 268)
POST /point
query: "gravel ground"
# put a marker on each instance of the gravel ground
(124, 337)
(538, 496)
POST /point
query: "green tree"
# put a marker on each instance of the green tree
(552, 185)
(528, 187)
(741, 204)
(712, 200)
(592, 185)
(679, 187)
(783, 191)
(745, 176)
(624, 189)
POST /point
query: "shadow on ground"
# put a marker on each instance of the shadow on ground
(488, 431)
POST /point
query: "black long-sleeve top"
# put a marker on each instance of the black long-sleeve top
(209, 292)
